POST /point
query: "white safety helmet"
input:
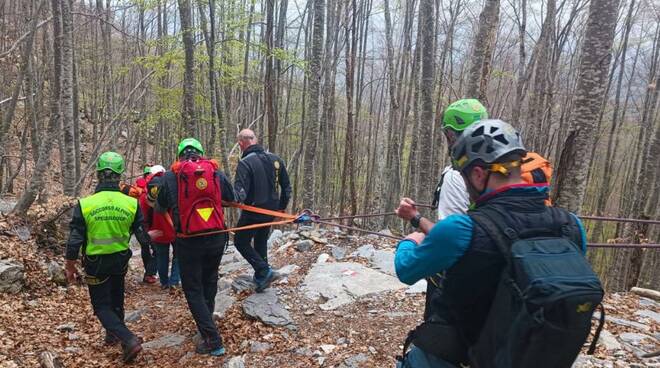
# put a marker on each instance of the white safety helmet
(156, 169)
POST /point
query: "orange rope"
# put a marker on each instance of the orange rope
(288, 218)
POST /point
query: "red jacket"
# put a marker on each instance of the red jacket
(156, 221)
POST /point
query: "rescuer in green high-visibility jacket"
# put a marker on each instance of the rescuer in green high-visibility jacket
(101, 226)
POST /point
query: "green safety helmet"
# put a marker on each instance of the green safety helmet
(462, 113)
(190, 142)
(112, 161)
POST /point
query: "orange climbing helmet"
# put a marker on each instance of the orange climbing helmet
(535, 169)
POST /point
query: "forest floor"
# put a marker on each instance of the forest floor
(339, 306)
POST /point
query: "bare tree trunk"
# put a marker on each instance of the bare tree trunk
(311, 120)
(573, 165)
(427, 87)
(68, 165)
(393, 185)
(36, 184)
(612, 139)
(482, 50)
(26, 55)
(188, 112)
(270, 99)
(348, 175)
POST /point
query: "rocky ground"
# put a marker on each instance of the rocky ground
(340, 305)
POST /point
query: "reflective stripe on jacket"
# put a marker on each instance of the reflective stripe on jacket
(108, 217)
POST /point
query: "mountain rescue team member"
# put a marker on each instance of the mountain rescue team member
(102, 225)
(146, 251)
(140, 185)
(161, 244)
(489, 156)
(193, 192)
(451, 196)
(261, 181)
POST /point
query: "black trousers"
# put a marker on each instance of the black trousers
(199, 259)
(256, 256)
(147, 252)
(107, 295)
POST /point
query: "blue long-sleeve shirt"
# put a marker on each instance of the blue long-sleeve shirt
(444, 245)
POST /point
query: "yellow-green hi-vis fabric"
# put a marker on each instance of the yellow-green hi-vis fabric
(108, 216)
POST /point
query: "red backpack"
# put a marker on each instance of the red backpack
(200, 200)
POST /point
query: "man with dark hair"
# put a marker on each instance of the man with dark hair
(102, 225)
(261, 181)
(193, 191)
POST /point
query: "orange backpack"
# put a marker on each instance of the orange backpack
(535, 169)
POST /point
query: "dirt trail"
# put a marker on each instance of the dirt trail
(365, 331)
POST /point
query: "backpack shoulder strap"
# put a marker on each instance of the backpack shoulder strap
(502, 234)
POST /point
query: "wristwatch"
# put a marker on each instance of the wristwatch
(415, 220)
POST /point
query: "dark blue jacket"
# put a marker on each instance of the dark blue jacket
(262, 181)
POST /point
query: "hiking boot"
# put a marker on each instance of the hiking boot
(110, 339)
(131, 350)
(270, 277)
(205, 348)
(149, 279)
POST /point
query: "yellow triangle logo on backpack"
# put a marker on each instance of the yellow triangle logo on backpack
(205, 213)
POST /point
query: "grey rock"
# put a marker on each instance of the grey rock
(417, 288)
(384, 261)
(6, 205)
(322, 258)
(275, 236)
(135, 315)
(184, 359)
(56, 273)
(366, 251)
(649, 303)
(649, 314)
(337, 284)
(318, 240)
(586, 361)
(304, 245)
(608, 340)
(328, 348)
(167, 341)
(354, 361)
(397, 314)
(338, 253)
(236, 263)
(72, 350)
(386, 232)
(624, 322)
(259, 347)
(223, 302)
(267, 308)
(23, 232)
(66, 327)
(305, 351)
(243, 282)
(224, 283)
(235, 362)
(633, 338)
(12, 278)
(288, 270)
(342, 341)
